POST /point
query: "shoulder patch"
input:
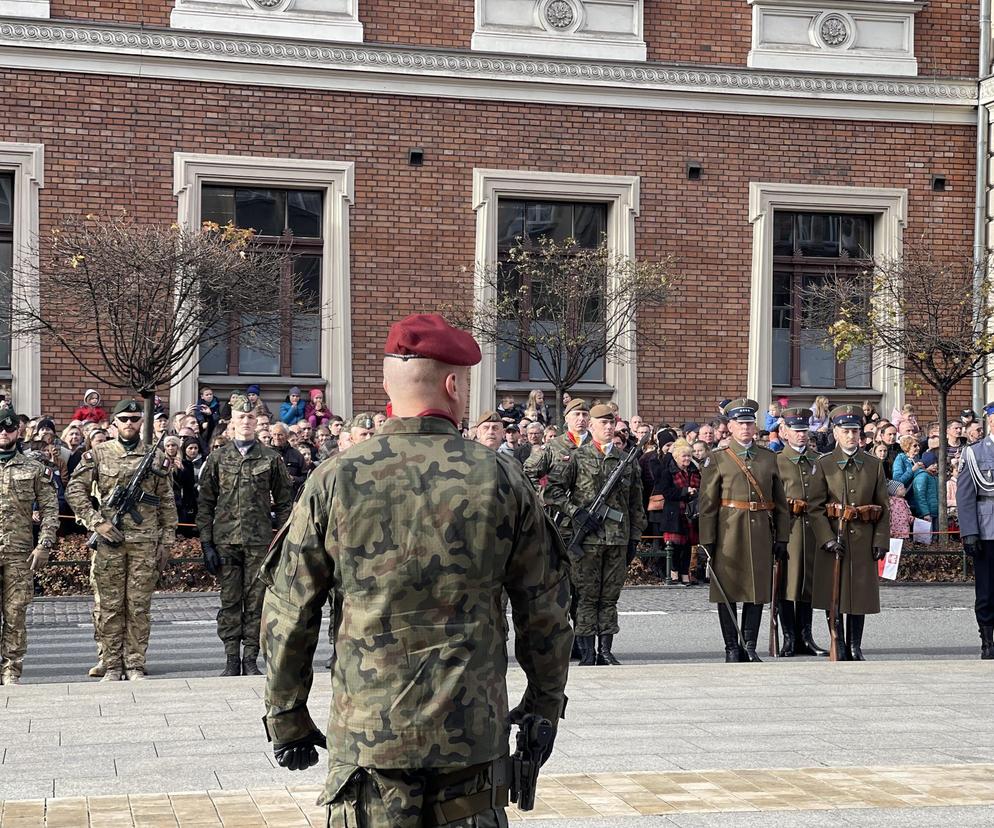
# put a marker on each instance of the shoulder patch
(48, 473)
(707, 462)
(165, 462)
(88, 456)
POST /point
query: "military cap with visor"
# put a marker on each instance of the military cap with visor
(602, 412)
(430, 336)
(741, 411)
(128, 407)
(847, 416)
(798, 419)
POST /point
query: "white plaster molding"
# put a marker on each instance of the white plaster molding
(333, 20)
(38, 9)
(27, 163)
(591, 29)
(619, 192)
(890, 206)
(102, 50)
(863, 37)
(337, 180)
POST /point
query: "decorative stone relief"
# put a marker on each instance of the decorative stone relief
(860, 37)
(37, 9)
(595, 29)
(331, 20)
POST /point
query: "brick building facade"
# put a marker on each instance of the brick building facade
(819, 128)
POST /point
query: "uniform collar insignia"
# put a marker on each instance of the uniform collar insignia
(843, 461)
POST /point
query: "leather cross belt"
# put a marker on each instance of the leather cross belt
(748, 505)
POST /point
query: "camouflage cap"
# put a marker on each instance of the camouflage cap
(487, 417)
(9, 421)
(241, 405)
(576, 405)
(130, 406)
(364, 420)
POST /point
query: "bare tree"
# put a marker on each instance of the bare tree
(925, 313)
(133, 304)
(565, 307)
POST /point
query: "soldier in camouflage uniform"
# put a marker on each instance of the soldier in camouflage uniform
(600, 573)
(126, 565)
(415, 533)
(240, 485)
(25, 485)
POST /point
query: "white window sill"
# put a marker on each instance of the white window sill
(37, 9)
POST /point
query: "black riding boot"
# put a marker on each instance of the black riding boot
(805, 644)
(588, 656)
(752, 614)
(604, 654)
(788, 623)
(986, 642)
(854, 637)
(732, 652)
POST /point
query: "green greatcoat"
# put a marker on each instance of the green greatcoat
(857, 481)
(743, 540)
(803, 479)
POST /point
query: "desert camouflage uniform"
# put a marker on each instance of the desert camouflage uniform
(123, 577)
(415, 533)
(600, 573)
(23, 483)
(237, 494)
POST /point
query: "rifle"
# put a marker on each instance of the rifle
(125, 500)
(834, 651)
(534, 737)
(599, 508)
(774, 604)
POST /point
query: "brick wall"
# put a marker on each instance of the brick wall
(109, 145)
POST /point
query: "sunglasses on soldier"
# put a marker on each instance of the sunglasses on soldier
(125, 419)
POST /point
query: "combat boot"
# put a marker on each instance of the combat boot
(787, 625)
(854, 638)
(604, 654)
(97, 670)
(986, 643)
(112, 674)
(134, 674)
(9, 679)
(752, 614)
(574, 654)
(732, 652)
(588, 657)
(250, 664)
(805, 643)
(233, 666)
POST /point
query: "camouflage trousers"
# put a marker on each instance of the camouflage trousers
(123, 580)
(416, 798)
(240, 616)
(600, 575)
(16, 592)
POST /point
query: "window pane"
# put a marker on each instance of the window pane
(590, 224)
(261, 210)
(818, 234)
(508, 358)
(857, 236)
(256, 353)
(304, 213)
(859, 369)
(510, 224)
(781, 327)
(6, 199)
(6, 273)
(217, 204)
(305, 345)
(783, 234)
(551, 219)
(214, 353)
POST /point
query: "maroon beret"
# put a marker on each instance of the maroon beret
(429, 336)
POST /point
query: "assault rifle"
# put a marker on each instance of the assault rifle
(837, 648)
(125, 500)
(534, 737)
(599, 508)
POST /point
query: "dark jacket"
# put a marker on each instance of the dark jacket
(664, 469)
(294, 462)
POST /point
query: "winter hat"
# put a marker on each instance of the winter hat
(89, 393)
(253, 389)
(293, 392)
(893, 486)
(46, 423)
(316, 392)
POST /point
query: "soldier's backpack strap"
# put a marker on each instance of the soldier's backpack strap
(749, 476)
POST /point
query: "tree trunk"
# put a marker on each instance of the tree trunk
(943, 510)
(558, 406)
(148, 397)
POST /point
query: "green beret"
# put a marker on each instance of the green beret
(128, 407)
(364, 420)
(8, 418)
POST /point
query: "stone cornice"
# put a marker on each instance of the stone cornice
(63, 46)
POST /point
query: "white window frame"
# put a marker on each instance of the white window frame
(890, 209)
(37, 9)
(619, 192)
(337, 180)
(27, 163)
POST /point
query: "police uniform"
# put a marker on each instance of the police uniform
(740, 522)
(855, 486)
(975, 511)
(600, 573)
(25, 485)
(804, 485)
(415, 533)
(240, 486)
(123, 576)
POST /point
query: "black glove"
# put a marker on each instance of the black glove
(780, 552)
(633, 550)
(212, 561)
(833, 547)
(301, 754)
(879, 553)
(591, 523)
(971, 544)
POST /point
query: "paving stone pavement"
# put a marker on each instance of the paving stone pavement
(779, 743)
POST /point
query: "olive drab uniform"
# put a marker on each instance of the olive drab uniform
(415, 533)
(123, 577)
(25, 485)
(238, 494)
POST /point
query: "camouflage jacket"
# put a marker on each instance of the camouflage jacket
(110, 464)
(23, 483)
(574, 485)
(559, 450)
(415, 533)
(237, 495)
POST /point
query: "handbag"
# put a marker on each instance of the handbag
(656, 503)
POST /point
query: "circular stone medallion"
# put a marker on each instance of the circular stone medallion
(560, 14)
(834, 31)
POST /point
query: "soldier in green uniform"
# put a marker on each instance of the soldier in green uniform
(744, 523)
(416, 533)
(600, 572)
(240, 485)
(856, 490)
(804, 485)
(25, 485)
(126, 564)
